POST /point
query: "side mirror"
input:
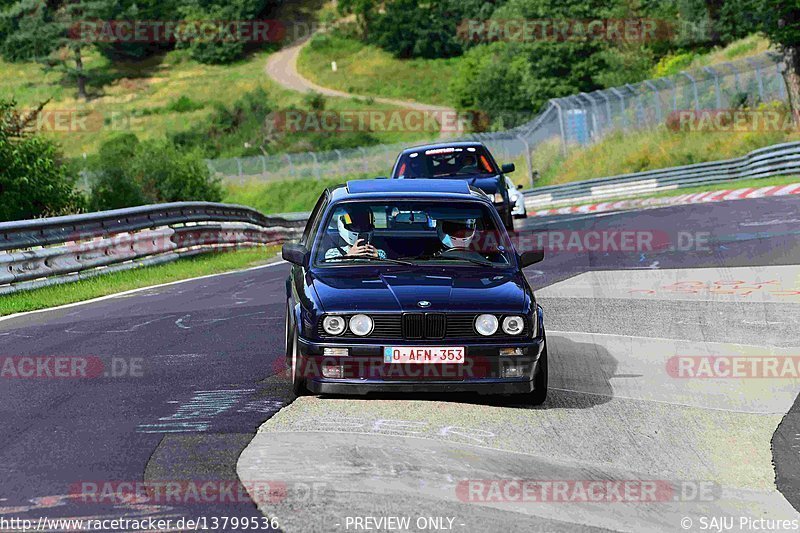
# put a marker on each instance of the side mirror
(520, 187)
(294, 253)
(508, 168)
(527, 259)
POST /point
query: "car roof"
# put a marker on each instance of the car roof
(386, 188)
(436, 146)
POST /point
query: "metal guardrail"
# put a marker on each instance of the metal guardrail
(50, 251)
(776, 160)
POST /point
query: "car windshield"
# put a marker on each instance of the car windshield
(412, 232)
(454, 161)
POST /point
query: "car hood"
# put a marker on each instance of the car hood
(489, 185)
(450, 290)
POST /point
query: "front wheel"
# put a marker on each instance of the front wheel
(297, 366)
(539, 394)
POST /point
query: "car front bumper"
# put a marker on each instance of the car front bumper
(363, 370)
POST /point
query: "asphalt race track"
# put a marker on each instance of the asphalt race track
(723, 280)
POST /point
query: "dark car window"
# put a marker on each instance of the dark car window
(313, 219)
(415, 231)
(454, 161)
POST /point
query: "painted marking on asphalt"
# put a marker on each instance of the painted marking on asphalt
(386, 426)
(779, 283)
(139, 290)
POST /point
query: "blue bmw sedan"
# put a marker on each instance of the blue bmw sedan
(411, 286)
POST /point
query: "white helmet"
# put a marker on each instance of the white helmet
(355, 220)
(457, 233)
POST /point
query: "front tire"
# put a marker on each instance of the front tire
(539, 394)
(296, 365)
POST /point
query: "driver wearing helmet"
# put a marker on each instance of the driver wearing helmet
(457, 233)
(355, 226)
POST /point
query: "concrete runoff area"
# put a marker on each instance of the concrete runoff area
(620, 408)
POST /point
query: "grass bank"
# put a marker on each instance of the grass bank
(370, 71)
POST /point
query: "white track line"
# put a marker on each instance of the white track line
(140, 289)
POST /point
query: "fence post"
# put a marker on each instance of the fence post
(656, 100)
(291, 166)
(561, 125)
(781, 81)
(735, 75)
(621, 97)
(717, 92)
(528, 158)
(341, 162)
(364, 155)
(316, 164)
(674, 93)
(593, 129)
(263, 166)
(609, 118)
(694, 89)
(758, 77)
(239, 167)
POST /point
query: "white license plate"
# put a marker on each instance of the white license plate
(453, 355)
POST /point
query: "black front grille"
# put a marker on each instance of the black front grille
(435, 326)
(417, 326)
(413, 326)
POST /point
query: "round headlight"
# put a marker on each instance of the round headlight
(513, 325)
(361, 325)
(333, 325)
(486, 325)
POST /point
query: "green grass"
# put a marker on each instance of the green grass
(165, 94)
(370, 71)
(133, 279)
(623, 153)
(284, 196)
(746, 47)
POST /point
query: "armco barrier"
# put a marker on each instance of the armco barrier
(780, 159)
(48, 251)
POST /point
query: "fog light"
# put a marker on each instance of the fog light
(512, 372)
(332, 371)
(336, 352)
(510, 351)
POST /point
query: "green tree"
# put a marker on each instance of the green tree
(34, 181)
(130, 172)
(781, 23)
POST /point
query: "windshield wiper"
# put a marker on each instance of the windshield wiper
(368, 258)
(451, 258)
